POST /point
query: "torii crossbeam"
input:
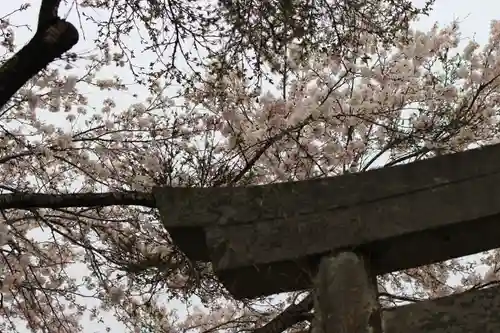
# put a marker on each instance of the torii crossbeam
(269, 239)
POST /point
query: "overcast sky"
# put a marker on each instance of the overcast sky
(474, 17)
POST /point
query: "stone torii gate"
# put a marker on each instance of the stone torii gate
(337, 234)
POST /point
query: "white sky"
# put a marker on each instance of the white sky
(474, 17)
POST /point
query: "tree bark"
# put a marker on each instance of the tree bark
(53, 37)
(292, 315)
(36, 200)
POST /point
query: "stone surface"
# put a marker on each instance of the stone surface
(269, 239)
(345, 298)
(471, 311)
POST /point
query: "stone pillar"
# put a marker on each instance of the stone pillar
(345, 299)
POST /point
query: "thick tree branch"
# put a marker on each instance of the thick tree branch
(53, 37)
(292, 315)
(36, 200)
(47, 14)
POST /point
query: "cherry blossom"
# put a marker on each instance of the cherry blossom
(68, 130)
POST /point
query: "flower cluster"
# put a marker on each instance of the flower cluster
(81, 127)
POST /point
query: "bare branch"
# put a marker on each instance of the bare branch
(292, 315)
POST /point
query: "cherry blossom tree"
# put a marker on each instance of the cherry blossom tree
(76, 177)
(249, 31)
(425, 97)
(54, 36)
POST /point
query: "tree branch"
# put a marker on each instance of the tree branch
(289, 317)
(54, 36)
(37, 200)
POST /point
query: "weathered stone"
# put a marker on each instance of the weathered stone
(186, 211)
(471, 311)
(345, 296)
(269, 239)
